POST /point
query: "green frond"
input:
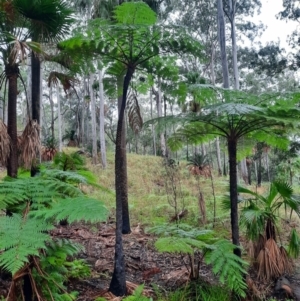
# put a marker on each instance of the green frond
(229, 267)
(283, 188)
(254, 219)
(173, 245)
(64, 176)
(75, 209)
(35, 190)
(294, 244)
(19, 238)
(135, 13)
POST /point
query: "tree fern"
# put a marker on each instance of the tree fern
(21, 237)
(74, 209)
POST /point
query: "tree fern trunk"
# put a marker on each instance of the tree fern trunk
(35, 91)
(232, 152)
(118, 281)
(125, 209)
(12, 72)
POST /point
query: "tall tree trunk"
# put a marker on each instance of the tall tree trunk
(213, 81)
(232, 153)
(222, 42)
(218, 156)
(35, 96)
(93, 114)
(12, 72)
(152, 126)
(52, 113)
(160, 114)
(59, 119)
(259, 171)
(35, 91)
(29, 87)
(102, 121)
(124, 188)
(118, 281)
(232, 8)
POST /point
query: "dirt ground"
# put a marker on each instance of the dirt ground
(144, 265)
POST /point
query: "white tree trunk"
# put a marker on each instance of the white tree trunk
(41, 102)
(232, 7)
(159, 112)
(59, 120)
(152, 126)
(222, 41)
(102, 120)
(93, 115)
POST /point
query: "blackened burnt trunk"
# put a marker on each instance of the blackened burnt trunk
(118, 281)
(12, 73)
(35, 96)
(232, 152)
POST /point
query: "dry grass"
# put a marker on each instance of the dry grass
(148, 200)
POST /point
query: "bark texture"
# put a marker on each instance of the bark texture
(118, 281)
(12, 73)
(232, 151)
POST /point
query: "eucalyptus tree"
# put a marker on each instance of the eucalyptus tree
(132, 39)
(234, 116)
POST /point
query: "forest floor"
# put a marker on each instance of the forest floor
(160, 273)
(144, 265)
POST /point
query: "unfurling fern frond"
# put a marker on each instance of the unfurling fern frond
(21, 237)
(134, 114)
(75, 209)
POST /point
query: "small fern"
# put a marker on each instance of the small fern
(138, 295)
(217, 252)
(66, 162)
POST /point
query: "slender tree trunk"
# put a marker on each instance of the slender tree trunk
(36, 85)
(259, 170)
(118, 281)
(59, 119)
(152, 126)
(125, 208)
(12, 72)
(93, 114)
(232, 152)
(102, 121)
(232, 8)
(29, 87)
(160, 114)
(222, 42)
(35, 97)
(52, 113)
